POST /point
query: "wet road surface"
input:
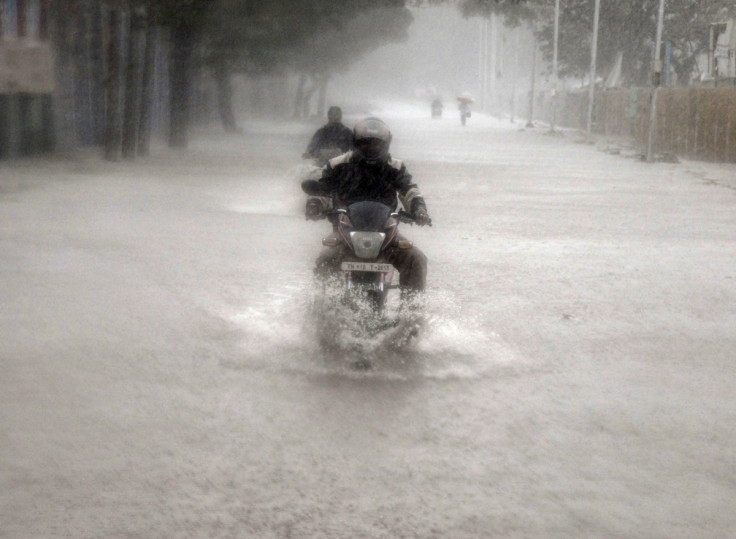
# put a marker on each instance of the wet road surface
(160, 377)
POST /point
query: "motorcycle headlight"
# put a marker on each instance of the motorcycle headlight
(367, 244)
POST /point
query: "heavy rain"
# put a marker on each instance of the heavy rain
(163, 368)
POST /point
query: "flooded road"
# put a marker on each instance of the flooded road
(160, 375)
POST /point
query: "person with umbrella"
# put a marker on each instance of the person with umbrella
(465, 101)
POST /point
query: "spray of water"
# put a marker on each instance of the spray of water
(310, 330)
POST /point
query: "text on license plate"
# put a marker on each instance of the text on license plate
(366, 266)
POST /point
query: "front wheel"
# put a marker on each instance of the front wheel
(376, 299)
(366, 299)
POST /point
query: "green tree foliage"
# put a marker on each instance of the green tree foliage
(513, 11)
(313, 38)
(627, 27)
(337, 44)
(686, 27)
(174, 13)
(311, 35)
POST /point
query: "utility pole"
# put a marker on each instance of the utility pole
(113, 95)
(554, 66)
(482, 50)
(492, 67)
(656, 81)
(593, 53)
(487, 62)
(514, 73)
(532, 90)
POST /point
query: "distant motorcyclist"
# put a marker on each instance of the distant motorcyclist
(368, 172)
(330, 140)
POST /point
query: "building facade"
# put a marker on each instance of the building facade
(723, 63)
(26, 79)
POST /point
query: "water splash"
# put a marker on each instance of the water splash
(296, 331)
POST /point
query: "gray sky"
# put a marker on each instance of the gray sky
(442, 51)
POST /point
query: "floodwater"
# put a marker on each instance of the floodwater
(160, 375)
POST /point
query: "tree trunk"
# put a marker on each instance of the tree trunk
(98, 14)
(307, 99)
(84, 112)
(113, 117)
(322, 95)
(134, 76)
(299, 98)
(180, 85)
(224, 82)
(147, 86)
(65, 130)
(684, 69)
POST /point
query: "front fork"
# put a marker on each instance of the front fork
(374, 286)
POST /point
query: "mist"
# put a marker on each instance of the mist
(441, 53)
(162, 372)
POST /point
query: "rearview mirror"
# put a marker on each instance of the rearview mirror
(313, 188)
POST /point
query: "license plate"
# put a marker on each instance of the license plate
(366, 266)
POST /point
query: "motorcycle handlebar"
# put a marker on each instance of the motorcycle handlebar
(406, 217)
(401, 215)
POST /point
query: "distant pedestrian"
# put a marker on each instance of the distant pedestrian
(437, 108)
(465, 101)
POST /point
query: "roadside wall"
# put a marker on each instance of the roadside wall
(696, 123)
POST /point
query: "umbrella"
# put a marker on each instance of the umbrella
(465, 98)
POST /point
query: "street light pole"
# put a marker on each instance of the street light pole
(492, 52)
(656, 81)
(483, 62)
(514, 73)
(593, 54)
(554, 66)
(532, 89)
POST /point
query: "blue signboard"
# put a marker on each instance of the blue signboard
(9, 18)
(33, 23)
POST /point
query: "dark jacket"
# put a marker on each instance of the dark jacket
(332, 135)
(353, 180)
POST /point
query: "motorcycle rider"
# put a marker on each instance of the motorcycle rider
(369, 173)
(330, 140)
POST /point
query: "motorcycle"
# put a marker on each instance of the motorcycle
(362, 235)
(314, 171)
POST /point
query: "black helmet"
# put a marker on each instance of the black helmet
(334, 114)
(371, 139)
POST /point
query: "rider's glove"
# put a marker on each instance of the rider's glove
(314, 208)
(421, 217)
